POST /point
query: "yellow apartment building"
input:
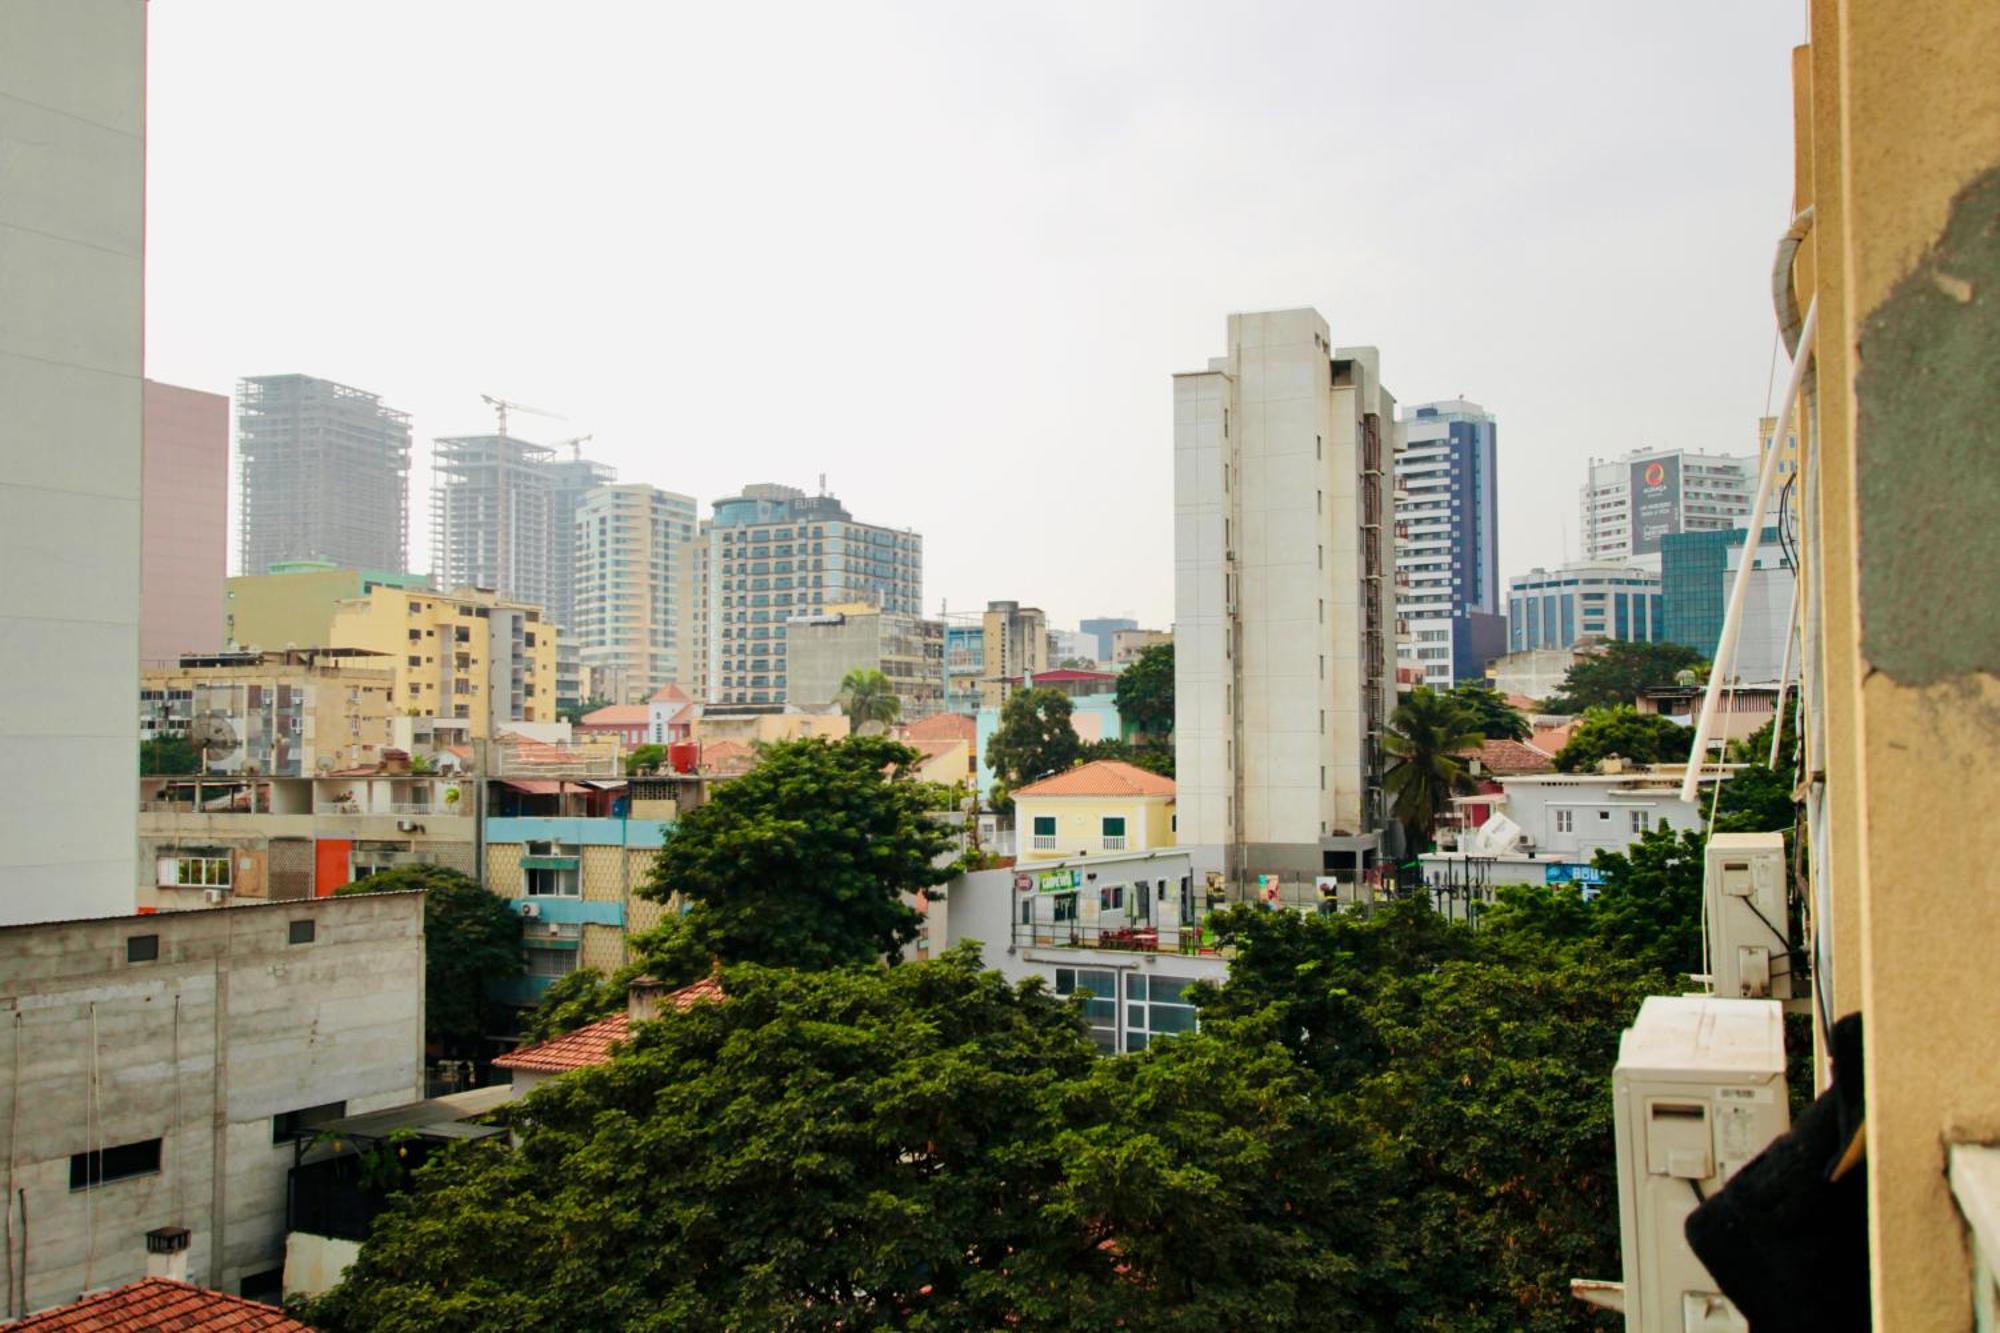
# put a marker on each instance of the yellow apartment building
(286, 714)
(467, 658)
(292, 605)
(1894, 257)
(1101, 807)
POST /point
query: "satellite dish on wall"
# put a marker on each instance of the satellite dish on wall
(213, 734)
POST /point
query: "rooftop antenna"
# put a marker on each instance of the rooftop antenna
(822, 484)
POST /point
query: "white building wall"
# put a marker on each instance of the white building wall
(1600, 808)
(72, 200)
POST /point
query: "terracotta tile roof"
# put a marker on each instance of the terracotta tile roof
(671, 694)
(157, 1304)
(1550, 740)
(1504, 758)
(943, 727)
(1523, 702)
(588, 1045)
(687, 714)
(931, 749)
(1065, 675)
(1101, 777)
(591, 1045)
(617, 715)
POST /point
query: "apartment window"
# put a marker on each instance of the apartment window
(1114, 833)
(1322, 722)
(291, 1126)
(201, 872)
(302, 932)
(1565, 821)
(1638, 821)
(87, 1170)
(1156, 1006)
(142, 948)
(1322, 777)
(548, 964)
(1319, 502)
(1099, 992)
(1045, 833)
(1111, 898)
(1322, 666)
(1322, 557)
(1319, 448)
(1225, 423)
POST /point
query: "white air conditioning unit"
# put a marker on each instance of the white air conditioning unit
(1749, 924)
(214, 897)
(531, 911)
(1699, 1090)
(555, 929)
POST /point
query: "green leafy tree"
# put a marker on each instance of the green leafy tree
(1620, 672)
(1153, 756)
(574, 713)
(1146, 693)
(1637, 738)
(1427, 738)
(809, 859)
(669, 954)
(868, 699)
(1496, 719)
(1077, 664)
(1034, 739)
(645, 759)
(472, 939)
(166, 756)
(1755, 799)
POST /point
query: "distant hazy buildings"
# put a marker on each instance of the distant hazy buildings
(184, 546)
(72, 155)
(908, 650)
(1697, 570)
(1102, 628)
(1128, 644)
(1448, 543)
(325, 472)
(774, 552)
(1629, 503)
(634, 592)
(1283, 606)
(1586, 599)
(1014, 644)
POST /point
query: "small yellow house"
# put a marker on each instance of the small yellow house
(1099, 807)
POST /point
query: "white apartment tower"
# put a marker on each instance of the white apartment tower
(1283, 546)
(1449, 624)
(1629, 503)
(635, 588)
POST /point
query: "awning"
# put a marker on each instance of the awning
(606, 786)
(436, 1118)
(532, 786)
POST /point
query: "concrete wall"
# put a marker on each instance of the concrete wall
(184, 546)
(72, 201)
(229, 1027)
(1899, 156)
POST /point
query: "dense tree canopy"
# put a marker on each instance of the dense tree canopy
(1034, 739)
(645, 759)
(472, 938)
(1496, 719)
(1146, 693)
(1637, 738)
(807, 860)
(166, 756)
(1619, 672)
(1153, 756)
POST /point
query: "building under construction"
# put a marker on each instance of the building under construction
(503, 514)
(325, 472)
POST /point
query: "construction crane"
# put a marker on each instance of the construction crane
(575, 446)
(502, 407)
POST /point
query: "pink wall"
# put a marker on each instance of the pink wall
(184, 543)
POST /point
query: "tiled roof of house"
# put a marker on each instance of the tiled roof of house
(1550, 740)
(617, 715)
(1504, 758)
(159, 1304)
(942, 727)
(671, 694)
(686, 716)
(1068, 674)
(591, 1044)
(1523, 703)
(1101, 777)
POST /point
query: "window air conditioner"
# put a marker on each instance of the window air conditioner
(214, 897)
(531, 911)
(1749, 922)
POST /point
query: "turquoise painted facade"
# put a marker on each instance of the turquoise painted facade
(1095, 717)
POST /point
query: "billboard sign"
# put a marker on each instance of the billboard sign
(1656, 502)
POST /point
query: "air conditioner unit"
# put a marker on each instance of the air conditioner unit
(531, 911)
(214, 897)
(1749, 924)
(1699, 1090)
(555, 929)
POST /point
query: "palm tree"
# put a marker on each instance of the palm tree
(867, 699)
(1427, 735)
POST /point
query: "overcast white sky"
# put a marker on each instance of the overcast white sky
(950, 254)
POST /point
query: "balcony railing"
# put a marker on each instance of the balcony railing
(1112, 844)
(1045, 842)
(1190, 940)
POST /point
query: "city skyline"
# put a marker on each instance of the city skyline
(1026, 386)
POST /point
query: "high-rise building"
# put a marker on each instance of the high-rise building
(1102, 628)
(184, 549)
(325, 473)
(1629, 503)
(570, 480)
(73, 138)
(468, 659)
(775, 552)
(908, 650)
(634, 588)
(1583, 600)
(1283, 605)
(1448, 544)
(1015, 645)
(1697, 570)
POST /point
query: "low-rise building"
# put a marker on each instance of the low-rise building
(1099, 807)
(1582, 601)
(964, 666)
(291, 605)
(291, 713)
(1128, 644)
(595, 1043)
(160, 1067)
(1739, 710)
(468, 658)
(632, 724)
(753, 724)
